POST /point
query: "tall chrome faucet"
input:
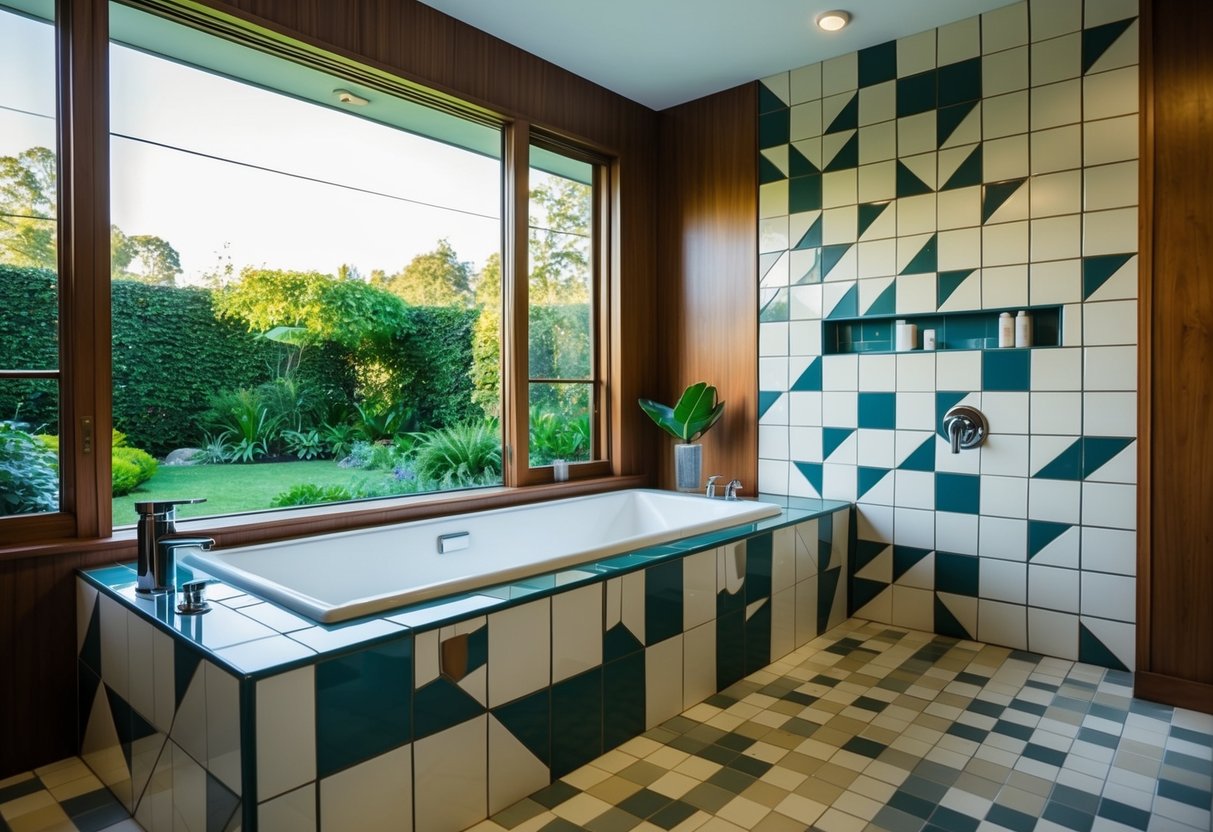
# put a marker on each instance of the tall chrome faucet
(158, 543)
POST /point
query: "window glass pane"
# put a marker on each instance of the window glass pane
(561, 255)
(297, 282)
(561, 427)
(29, 446)
(29, 290)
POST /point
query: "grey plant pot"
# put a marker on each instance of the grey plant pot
(688, 466)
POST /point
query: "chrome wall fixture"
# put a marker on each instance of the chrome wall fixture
(966, 427)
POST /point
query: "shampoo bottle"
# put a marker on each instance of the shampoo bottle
(1023, 329)
(1006, 330)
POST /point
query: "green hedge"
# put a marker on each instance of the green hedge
(170, 354)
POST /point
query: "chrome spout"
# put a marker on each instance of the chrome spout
(156, 570)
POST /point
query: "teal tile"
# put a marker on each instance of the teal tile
(945, 400)
(441, 704)
(847, 118)
(774, 128)
(848, 304)
(1093, 651)
(947, 624)
(878, 64)
(885, 303)
(1098, 451)
(767, 399)
(528, 719)
(970, 329)
(927, 258)
(1006, 370)
(960, 493)
(968, 173)
(995, 195)
(90, 649)
(867, 551)
(825, 541)
(916, 94)
(1097, 270)
(799, 164)
(878, 410)
(832, 438)
(758, 565)
(862, 591)
(363, 704)
(804, 194)
(949, 282)
(921, 458)
(768, 171)
(576, 721)
(775, 309)
(769, 102)
(222, 804)
(908, 183)
(185, 664)
(1098, 39)
(906, 558)
(730, 647)
(1124, 814)
(869, 212)
(957, 574)
(960, 82)
(810, 379)
(619, 641)
(869, 478)
(830, 257)
(662, 601)
(1067, 465)
(847, 156)
(947, 119)
(811, 471)
(811, 237)
(827, 588)
(1041, 533)
(758, 637)
(623, 685)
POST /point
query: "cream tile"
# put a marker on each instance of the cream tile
(1110, 186)
(1110, 140)
(1004, 71)
(805, 83)
(292, 812)
(576, 631)
(519, 647)
(1004, 28)
(1057, 104)
(1108, 94)
(286, 731)
(450, 778)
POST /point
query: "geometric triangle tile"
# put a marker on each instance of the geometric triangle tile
(839, 262)
(1044, 549)
(879, 569)
(773, 164)
(221, 805)
(873, 600)
(922, 458)
(811, 474)
(958, 124)
(949, 288)
(766, 262)
(920, 254)
(102, 749)
(910, 182)
(920, 576)
(189, 724)
(766, 400)
(877, 296)
(840, 112)
(960, 167)
(804, 193)
(805, 266)
(527, 720)
(86, 602)
(875, 485)
(185, 662)
(839, 144)
(1065, 464)
(1109, 277)
(878, 64)
(869, 213)
(868, 552)
(845, 301)
(804, 158)
(810, 379)
(804, 230)
(955, 616)
(847, 156)
(1105, 643)
(1041, 533)
(830, 593)
(1097, 40)
(1109, 459)
(838, 441)
(906, 558)
(994, 201)
(774, 93)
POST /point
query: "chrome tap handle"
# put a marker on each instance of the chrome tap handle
(730, 490)
(157, 520)
(193, 598)
(710, 491)
(162, 576)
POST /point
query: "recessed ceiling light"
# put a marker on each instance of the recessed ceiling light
(347, 97)
(833, 21)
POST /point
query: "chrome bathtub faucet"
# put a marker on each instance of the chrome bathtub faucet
(710, 491)
(158, 543)
(730, 490)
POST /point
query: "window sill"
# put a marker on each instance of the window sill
(266, 526)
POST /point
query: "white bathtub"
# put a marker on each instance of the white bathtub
(335, 577)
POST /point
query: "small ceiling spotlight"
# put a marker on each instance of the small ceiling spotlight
(347, 97)
(833, 21)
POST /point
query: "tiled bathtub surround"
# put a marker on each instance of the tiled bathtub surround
(434, 716)
(989, 164)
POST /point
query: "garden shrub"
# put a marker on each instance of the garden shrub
(130, 468)
(29, 473)
(307, 494)
(468, 453)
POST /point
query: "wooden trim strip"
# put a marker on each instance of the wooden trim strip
(19, 374)
(1170, 690)
(1145, 338)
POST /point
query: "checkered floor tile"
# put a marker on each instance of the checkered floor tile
(874, 728)
(64, 797)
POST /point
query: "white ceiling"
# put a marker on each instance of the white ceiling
(665, 52)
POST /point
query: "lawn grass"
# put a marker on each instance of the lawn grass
(233, 488)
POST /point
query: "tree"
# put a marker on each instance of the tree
(486, 340)
(435, 278)
(27, 208)
(144, 257)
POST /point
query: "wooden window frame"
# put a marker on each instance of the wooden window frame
(85, 372)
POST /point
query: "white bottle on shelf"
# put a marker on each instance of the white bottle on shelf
(1006, 330)
(1023, 329)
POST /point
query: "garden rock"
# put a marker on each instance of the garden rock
(183, 456)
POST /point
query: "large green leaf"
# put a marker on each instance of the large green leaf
(695, 412)
(663, 416)
(699, 427)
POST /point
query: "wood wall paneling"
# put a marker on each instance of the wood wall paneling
(413, 41)
(707, 257)
(1175, 568)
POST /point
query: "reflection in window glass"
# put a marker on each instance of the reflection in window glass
(561, 313)
(306, 294)
(29, 291)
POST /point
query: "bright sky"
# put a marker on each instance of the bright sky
(266, 218)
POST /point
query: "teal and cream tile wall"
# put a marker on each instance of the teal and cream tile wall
(990, 164)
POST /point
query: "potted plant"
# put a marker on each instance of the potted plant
(696, 411)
